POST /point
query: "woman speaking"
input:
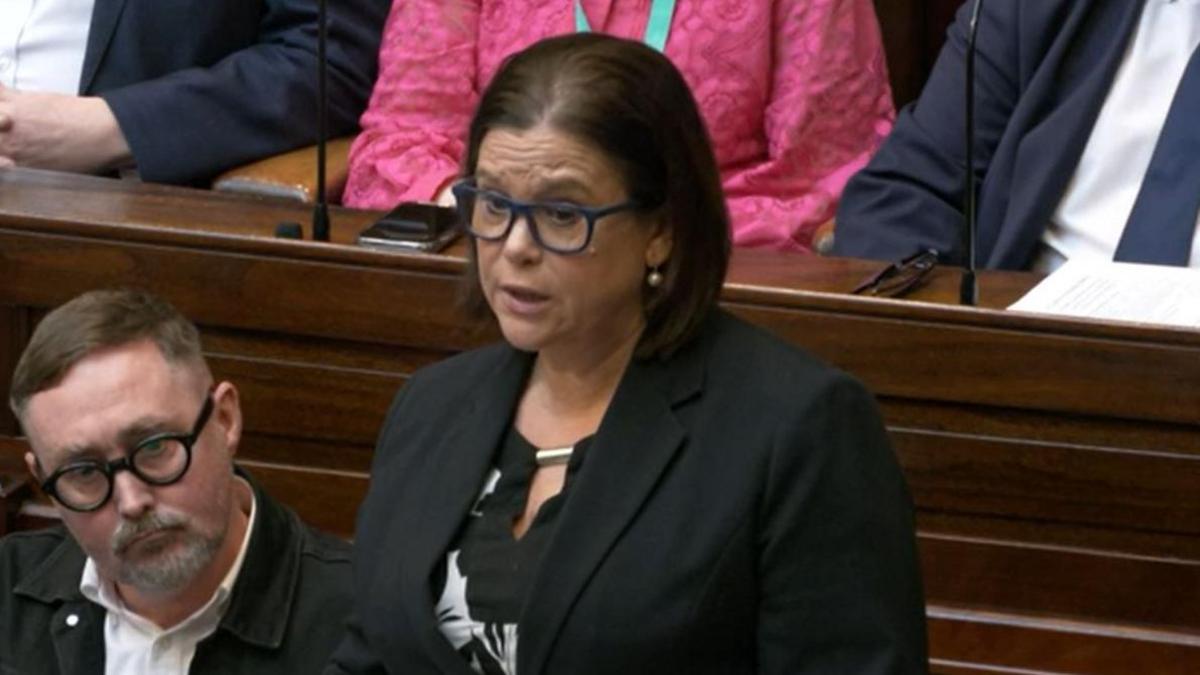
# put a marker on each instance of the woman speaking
(633, 481)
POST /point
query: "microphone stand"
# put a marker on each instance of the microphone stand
(968, 291)
(320, 223)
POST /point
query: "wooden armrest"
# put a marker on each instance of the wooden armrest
(822, 241)
(292, 175)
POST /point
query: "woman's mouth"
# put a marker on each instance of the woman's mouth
(522, 300)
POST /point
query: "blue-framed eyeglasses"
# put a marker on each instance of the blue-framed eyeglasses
(561, 227)
(161, 459)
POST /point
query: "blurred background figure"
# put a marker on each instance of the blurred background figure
(179, 90)
(794, 92)
(1087, 142)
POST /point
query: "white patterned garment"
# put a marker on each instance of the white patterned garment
(490, 648)
(490, 573)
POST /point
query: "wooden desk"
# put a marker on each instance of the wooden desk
(1055, 463)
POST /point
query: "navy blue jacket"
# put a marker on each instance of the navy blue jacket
(1043, 69)
(199, 86)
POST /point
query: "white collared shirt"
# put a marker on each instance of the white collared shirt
(1096, 205)
(42, 43)
(134, 645)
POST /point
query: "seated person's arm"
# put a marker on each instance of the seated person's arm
(910, 195)
(59, 131)
(414, 128)
(256, 102)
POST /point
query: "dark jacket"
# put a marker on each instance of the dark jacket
(285, 615)
(199, 86)
(1043, 72)
(739, 511)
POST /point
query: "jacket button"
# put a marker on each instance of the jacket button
(72, 620)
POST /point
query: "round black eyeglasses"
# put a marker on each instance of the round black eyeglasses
(559, 227)
(162, 459)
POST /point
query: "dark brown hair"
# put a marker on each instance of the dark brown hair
(631, 102)
(94, 321)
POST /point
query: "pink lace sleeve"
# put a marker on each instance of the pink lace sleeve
(414, 129)
(830, 107)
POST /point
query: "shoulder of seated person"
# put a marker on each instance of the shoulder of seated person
(23, 552)
(325, 549)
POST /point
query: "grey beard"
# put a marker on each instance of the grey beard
(164, 572)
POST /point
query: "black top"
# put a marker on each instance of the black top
(489, 572)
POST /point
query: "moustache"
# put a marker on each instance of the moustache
(129, 531)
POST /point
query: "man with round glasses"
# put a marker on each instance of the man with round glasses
(171, 560)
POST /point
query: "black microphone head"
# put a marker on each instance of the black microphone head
(289, 230)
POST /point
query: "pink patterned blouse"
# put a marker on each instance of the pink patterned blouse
(794, 92)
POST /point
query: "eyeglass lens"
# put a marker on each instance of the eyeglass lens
(161, 459)
(555, 226)
(157, 462)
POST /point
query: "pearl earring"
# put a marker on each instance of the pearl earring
(655, 278)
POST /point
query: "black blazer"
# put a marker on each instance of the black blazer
(739, 511)
(1043, 72)
(198, 86)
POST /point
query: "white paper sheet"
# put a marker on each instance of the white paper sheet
(1120, 292)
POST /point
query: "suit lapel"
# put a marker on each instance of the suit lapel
(463, 461)
(1086, 63)
(104, 24)
(636, 441)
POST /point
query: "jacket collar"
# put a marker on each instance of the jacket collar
(261, 603)
(464, 457)
(635, 442)
(56, 580)
(104, 23)
(637, 439)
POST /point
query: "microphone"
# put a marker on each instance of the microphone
(320, 223)
(968, 290)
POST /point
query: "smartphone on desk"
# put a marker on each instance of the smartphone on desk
(413, 226)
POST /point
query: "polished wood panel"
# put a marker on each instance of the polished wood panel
(903, 28)
(1054, 462)
(1050, 646)
(15, 488)
(913, 34)
(14, 329)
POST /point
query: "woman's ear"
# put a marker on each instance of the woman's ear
(658, 249)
